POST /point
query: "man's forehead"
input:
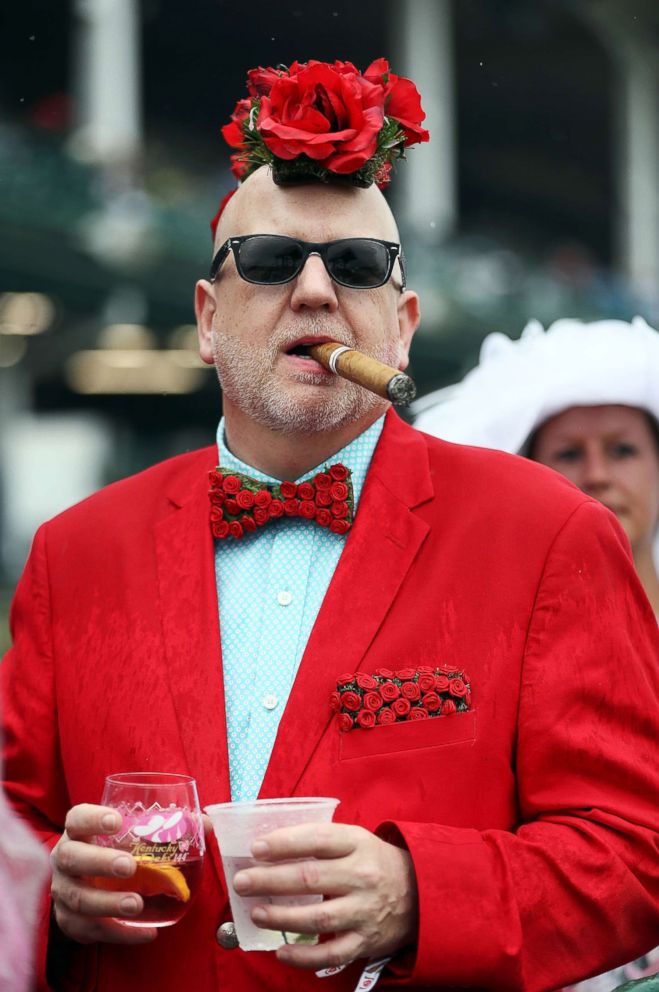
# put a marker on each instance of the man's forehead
(315, 212)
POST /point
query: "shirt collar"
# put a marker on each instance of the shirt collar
(356, 456)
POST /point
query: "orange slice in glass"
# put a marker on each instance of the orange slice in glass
(150, 879)
(161, 880)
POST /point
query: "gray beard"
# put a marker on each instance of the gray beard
(245, 373)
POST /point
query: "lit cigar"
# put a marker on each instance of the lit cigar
(382, 379)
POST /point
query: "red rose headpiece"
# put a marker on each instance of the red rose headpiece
(322, 122)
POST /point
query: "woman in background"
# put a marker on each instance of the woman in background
(582, 398)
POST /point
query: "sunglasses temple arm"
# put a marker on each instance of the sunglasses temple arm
(385, 381)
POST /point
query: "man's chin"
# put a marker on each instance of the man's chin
(313, 409)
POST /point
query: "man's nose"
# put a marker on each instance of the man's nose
(313, 287)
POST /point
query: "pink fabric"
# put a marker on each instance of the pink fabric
(23, 871)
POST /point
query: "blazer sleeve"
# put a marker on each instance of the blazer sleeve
(575, 889)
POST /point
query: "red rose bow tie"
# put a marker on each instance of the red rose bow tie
(240, 504)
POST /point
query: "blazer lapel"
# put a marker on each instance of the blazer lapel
(189, 611)
(380, 549)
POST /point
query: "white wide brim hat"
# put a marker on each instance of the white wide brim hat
(517, 385)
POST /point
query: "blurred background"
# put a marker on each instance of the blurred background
(537, 196)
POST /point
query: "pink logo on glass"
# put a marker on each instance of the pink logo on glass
(160, 826)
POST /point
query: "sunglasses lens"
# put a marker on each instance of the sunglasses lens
(358, 262)
(269, 260)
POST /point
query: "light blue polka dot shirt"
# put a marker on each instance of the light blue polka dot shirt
(270, 587)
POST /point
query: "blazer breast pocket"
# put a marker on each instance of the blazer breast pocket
(440, 731)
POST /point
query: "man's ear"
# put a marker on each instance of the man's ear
(409, 316)
(204, 308)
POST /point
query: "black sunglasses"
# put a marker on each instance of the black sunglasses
(272, 260)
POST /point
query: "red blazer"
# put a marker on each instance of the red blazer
(531, 820)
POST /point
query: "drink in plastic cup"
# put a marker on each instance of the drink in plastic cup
(237, 826)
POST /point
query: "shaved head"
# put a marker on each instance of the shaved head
(260, 206)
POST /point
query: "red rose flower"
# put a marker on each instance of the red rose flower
(417, 713)
(231, 506)
(291, 507)
(322, 480)
(405, 673)
(236, 529)
(306, 491)
(260, 80)
(215, 477)
(245, 499)
(216, 514)
(401, 707)
(372, 701)
(339, 510)
(261, 516)
(231, 484)
(457, 688)
(366, 719)
(263, 499)
(410, 690)
(350, 701)
(365, 681)
(338, 472)
(323, 497)
(220, 529)
(441, 683)
(345, 722)
(331, 116)
(276, 508)
(345, 679)
(217, 497)
(425, 670)
(339, 526)
(389, 691)
(233, 133)
(382, 177)
(402, 100)
(288, 490)
(307, 509)
(339, 491)
(431, 702)
(426, 682)
(248, 523)
(448, 707)
(386, 716)
(335, 702)
(323, 517)
(385, 673)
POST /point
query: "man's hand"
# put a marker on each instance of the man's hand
(81, 910)
(369, 889)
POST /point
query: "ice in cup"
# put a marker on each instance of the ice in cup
(237, 826)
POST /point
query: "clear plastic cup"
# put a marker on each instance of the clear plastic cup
(237, 826)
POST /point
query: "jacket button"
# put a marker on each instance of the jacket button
(226, 936)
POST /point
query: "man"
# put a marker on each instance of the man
(508, 843)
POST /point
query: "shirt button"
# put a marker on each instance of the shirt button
(284, 597)
(270, 701)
